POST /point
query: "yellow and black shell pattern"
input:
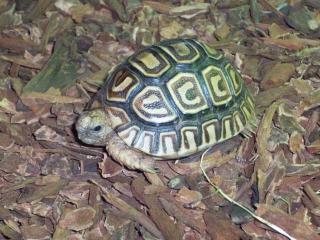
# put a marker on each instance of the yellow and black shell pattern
(176, 98)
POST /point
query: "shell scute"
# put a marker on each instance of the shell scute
(122, 84)
(151, 105)
(186, 92)
(150, 63)
(181, 52)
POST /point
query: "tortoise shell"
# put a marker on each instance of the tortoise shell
(176, 98)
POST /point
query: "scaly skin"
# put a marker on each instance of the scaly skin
(93, 127)
(128, 156)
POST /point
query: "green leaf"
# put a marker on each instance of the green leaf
(59, 72)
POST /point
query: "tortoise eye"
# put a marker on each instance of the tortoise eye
(97, 128)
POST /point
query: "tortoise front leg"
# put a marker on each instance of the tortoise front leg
(128, 156)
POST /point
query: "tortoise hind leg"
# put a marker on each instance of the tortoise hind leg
(128, 156)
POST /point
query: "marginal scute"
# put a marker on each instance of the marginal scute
(150, 63)
(129, 135)
(217, 85)
(145, 141)
(182, 52)
(187, 94)
(209, 135)
(168, 144)
(117, 116)
(189, 139)
(247, 109)
(227, 127)
(235, 78)
(239, 122)
(250, 101)
(151, 105)
(211, 51)
(121, 86)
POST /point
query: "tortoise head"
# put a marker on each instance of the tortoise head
(93, 127)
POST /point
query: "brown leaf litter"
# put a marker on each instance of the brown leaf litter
(55, 55)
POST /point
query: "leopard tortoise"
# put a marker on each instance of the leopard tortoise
(167, 101)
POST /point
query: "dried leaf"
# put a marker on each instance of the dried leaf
(6, 142)
(118, 7)
(179, 212)
(161, 7)
(52, 95)
(131, 212)
(170, 229)
(291, 43)
(188, 196)
(116, 224)
(263, 134)
(213, 159)
(8, 232)
(48, 134)
(222, 32)
(299, 228)
(109, 168)
(302, 86)
(277, 31)
(296, 142)
(10, 18)
(78, 219)
(7, 106)
(277, 137)
(172, 30)
(76, 192)
(66, 5)
(79, 11)
(220, 228)
(314, 147)
(276, 75)
(302, 20)
(312, 100)
(308, 169)
(190, 11)
(35, 232)
(265, 98)
(269, 181)
(36, 193)
(288, 120)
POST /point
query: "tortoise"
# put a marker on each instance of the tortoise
(168, 101)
